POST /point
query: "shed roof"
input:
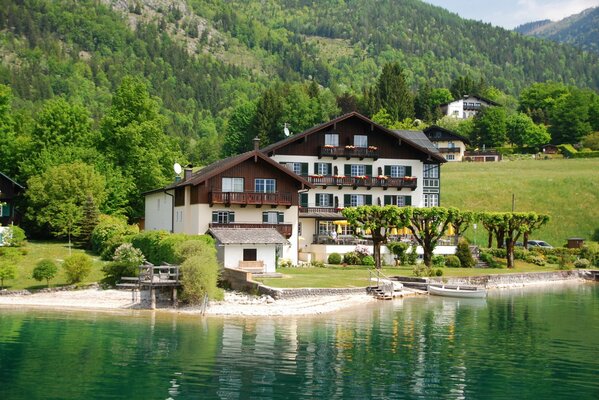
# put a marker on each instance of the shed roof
(247, 235)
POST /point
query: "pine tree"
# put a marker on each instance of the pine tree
(87, 223)
(393, 93)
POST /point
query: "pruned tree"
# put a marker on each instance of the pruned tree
(379, 220)
(535, 222)
(491, 222)
(428, 225)
(462, 220)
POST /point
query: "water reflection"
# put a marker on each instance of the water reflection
(520, 344)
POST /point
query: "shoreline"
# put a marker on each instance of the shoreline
(235, 304)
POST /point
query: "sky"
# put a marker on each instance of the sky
(511, 13)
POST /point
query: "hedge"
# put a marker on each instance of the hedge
(160, 246)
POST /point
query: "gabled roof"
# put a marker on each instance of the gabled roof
(420, 138)
(353, 114)
(447, 132)
(247, 235)
(491, 102)
(13, 182)
(226, 163)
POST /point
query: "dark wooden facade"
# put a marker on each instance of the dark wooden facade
(438, 134)
(381, 143)
(9, 191)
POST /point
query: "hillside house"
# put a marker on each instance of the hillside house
(9, 191)
(450, 144)
(466, 107)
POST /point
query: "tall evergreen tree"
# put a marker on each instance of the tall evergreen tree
(267, 125)
(88, 222)
(393, 93)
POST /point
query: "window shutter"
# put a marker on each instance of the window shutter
(408, 171)
(317, 199)
(369, 170)
(5, 210)
(316, 168)
(347, 200)
(304, 169)
(408, 200)
(214, 216)
(329, 168)
(330, 199)
(347, 168)
(264, 217)
(387, 170)
(280, 217)
(231, 216)
(368, 199)
(303, 199)
(387, 200)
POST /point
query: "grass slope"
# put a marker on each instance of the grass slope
(56, 251)
(567, 190)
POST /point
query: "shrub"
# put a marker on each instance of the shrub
(362, 251)
(537, 260)
(439, 272)
(596, 235)
(15, 237)
(463, 253)
(351, 258)
(7, 271)
(452, 262)
(368, 260)
(488, 258)
(582, 263)
(334, 258)
(551, 259)
(318, 264)
(77, 267)
(591, 253)
(399, 250)
(109, 234)
(565, 262)
(285, 263)
(519, 254)
(438, 261)
(412, 256)
(45, 269)
(127, 260)
(126, 253)
(161, 246)
(199, 277)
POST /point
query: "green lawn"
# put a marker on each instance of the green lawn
(355, 276)
(567, 190)
(57, 251)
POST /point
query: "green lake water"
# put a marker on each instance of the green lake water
(535, 343)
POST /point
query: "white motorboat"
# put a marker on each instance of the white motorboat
(458, 291)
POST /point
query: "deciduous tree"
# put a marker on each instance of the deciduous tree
(428, 225)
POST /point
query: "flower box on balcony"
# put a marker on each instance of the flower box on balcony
(383, 177)
(329, 146)
(372, 148)
(409, 178)
(339, 176)
(350, 147)
(361, 177)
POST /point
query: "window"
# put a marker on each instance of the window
(398, 171)
(179, 196)
(324, 200)
(223, 217)
(400, 201)
(450, 157)
(5, 210)
(431, 200)
(322, 168)
(331, 139)
(324, 227)
(298, 167)
(355, 200)
(431, 171)
(273, 217)
(250, 254)
(232, 185)
(358, 170)
(265, 185)
(360, 140)
(451, 145)
(431, 182)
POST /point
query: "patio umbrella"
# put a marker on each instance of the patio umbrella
(450, 231)
(393, 231)
(341, 222)
(338, 228)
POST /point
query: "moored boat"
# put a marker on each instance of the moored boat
(458, 291)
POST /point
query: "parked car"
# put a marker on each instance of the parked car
(539, 243)
(519, 244)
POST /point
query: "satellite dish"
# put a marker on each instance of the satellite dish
(177, 168)
(286, 130)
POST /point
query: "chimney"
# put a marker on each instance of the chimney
(256, 143)
(188, 172)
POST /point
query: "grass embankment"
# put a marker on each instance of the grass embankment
(566, 189)
(55, 251)
(354, 276)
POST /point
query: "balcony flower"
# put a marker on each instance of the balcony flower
(409, 178)
(315, 176)
(339, 176)
(384, 177)
(373, 148)
(329, 146)
(361, 177)
(350, 147)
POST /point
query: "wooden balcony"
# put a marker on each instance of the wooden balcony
(449, 149)
(367, 182)
(249, 198)
(349, 152)
(319, 210)
(284, 229)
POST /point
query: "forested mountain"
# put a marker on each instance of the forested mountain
(580, 30)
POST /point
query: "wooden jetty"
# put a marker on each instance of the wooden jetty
(152, 277)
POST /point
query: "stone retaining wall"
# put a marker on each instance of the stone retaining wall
(26, 292)
(512, 279)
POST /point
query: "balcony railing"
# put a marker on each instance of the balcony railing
(284, 229)
(368, 181)
(349, 152)
(449, 149)
(249, 198)
(319, 210)
(473, 107)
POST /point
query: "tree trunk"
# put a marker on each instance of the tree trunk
(500, 240)
(377, 253)
(509, 244)
(490, 243)
(428, 254)
(525, 240)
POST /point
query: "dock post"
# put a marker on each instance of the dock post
(152, 297)
(174, 296)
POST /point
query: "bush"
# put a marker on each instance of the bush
(15, 237)
(285, 263)
(110, 233)
(351, 258)
(399, 250)
(77, 267)
(519, 254)
(596, 235)
(45, 269)
(551, 259)
(362, 251)
(488, 258)
(199, 277)
(452, 262)
(582, 263)
(438, 261)
(334, 258)
(412, 256)
(537, 260)
(127, 260)
(591, 253)
(439, 272)
(318, 264)
(7, 271)
(126, 253)
(368, 260)
(161, 246)
(463, 253)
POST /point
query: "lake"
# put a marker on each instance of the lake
(533, 343)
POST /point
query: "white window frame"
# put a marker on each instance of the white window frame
(331, 139)
(397, 171)
(230, 184)
(323, 200)
(265, 185)
(361, 141)
(222, 217)
(450, 157)
(357, 200)
(431, 200)
(431, 171)
(325, 227)
(296, 167)
(272, 217)
(322, 169)
(358, 170)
